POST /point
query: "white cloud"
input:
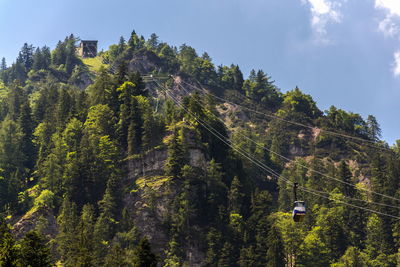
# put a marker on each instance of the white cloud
(390, 25)
(392, 6)
(396, 64)
(323, 12)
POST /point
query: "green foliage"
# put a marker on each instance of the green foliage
(8, 251)
(352, 258)
(259, 87)
(44, 200)
(275, 253)
(34, 252)
(143, 257)
(296, 101)
(95, 64)
(79, 153)
(176, 156)
(375, 242)
(313, 252)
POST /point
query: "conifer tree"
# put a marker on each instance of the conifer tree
(85, 247)
(135, 129)
(34, 252)
(115, 257)
(3, 68)
(213, 247)
(134, 41)
(3, 64)
(8, 251)
(67, 238)
(345, 175)
(153, 41)
(275, 253)
(375, 242)
(143, 257)
(374, 130)
(26, 56)
(227, 257)
(27, 125)
(176, 156)
(108, 219)
(236, 196)
(121, 45)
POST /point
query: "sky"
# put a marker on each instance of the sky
(342, 52)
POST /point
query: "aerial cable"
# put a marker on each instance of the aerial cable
(370, 143)
(316, 171)
(268, 169)
(310, 169)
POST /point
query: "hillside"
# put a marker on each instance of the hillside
(150, 155)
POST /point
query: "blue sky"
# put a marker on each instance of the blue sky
(343, 52)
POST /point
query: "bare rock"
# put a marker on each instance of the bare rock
(42, 218)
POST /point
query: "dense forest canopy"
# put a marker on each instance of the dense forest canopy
(150, 155)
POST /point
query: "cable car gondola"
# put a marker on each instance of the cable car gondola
(299, 210)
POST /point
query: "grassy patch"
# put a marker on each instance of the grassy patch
(152, 182)
(94, 64)
(3, 91)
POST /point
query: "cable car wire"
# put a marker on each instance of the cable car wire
(370, 143)
(266, 168)
(316, 171)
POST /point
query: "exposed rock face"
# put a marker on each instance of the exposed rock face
(151, 204)
(32, 220)
(197, 158)
(153, 162)
(150, 207)
(145, 62)
(150, 164)
(83, 80)
(296, 151)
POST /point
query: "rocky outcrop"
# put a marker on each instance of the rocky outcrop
(153, 162)
(41, 219)
(150, 202)
(150, 164)
(145, 62)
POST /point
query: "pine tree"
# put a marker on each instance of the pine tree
(227, 257)
(176, 156)
(236, 196)
(135, 129)
(106, 225)
(135, 42)
(275, 252)
(8, 251)
(115, 257)
(121, 45)
(67, 238)
(153, 41)
(143, 257)
(11, 156)
(374, 130)
(3, 64)
(375, 241)
(85, 246)
(352, 258)
(34, 252)
(26, 56)
(213, 247)
(345, 175)
(3, 68)
(37, 60)
(27, 125)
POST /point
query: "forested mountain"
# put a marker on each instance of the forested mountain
(150, 155)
